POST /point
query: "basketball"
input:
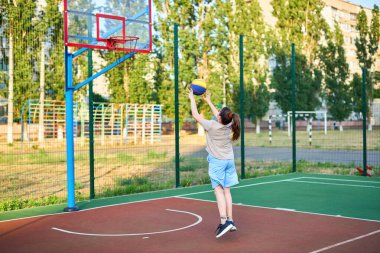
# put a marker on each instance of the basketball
(198, 86)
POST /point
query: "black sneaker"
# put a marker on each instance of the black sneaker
(233, 228)
(222, 229)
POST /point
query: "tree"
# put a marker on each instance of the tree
(356, 93)
(196, 39)
(336, 73)
(260, 104)
(308, 83)
(367, 44)
(19, 20)
(300, 22)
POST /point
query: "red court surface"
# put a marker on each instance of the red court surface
(149, 227)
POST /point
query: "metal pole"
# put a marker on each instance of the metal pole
(364, 112)
(176, 101)
(91, 125)
(270, 129)
(242, 105)
(69, 91)
(294, 148)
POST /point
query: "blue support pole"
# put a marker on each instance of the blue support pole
(69, 92)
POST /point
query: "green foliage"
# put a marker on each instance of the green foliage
(131, 181)
(336, 73)
(308, 83)
(300, 22)
(187, 181)
(152, 154)
(134, 185)
(260, 101)
(356, 88)
(125, 158)
(20, 203)
(367, 42)
(141, 80)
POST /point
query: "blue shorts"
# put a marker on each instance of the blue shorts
(222, 172)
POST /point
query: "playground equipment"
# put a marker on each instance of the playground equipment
(113, 122)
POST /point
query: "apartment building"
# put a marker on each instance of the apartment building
(345, 14)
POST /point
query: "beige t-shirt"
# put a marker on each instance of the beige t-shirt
(218, 137)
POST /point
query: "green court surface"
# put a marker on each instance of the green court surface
(346, 196)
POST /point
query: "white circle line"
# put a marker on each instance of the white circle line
(148, 233)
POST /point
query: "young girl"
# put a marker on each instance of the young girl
(220, 157)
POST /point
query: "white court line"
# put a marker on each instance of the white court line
(353, 185)
(236, 187)
(286, 210)
(347, 241)
(147, 233)
(335, 179)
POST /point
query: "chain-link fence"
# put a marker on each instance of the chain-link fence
(135, 144)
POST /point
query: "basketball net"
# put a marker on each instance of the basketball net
(127, 41)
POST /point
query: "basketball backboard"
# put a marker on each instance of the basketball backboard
(122, 25)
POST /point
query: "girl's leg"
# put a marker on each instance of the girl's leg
(228, 198)
(221, 201)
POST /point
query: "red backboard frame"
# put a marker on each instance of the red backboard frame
(99, 16)
(105, 47)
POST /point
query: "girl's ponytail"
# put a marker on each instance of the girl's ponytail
(235, 126)
(227, 116)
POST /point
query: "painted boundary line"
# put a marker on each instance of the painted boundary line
(351, 185)
(188, 194)
(238, 187)
(137, 234)
(335, 179)
(344, 242)
(286, 210)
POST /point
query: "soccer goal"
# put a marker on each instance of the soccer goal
(308, 115)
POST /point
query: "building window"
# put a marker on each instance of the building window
(345, 27)
(353, 16)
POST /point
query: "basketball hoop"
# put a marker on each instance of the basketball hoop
(113, 41)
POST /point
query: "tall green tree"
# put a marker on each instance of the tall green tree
(300, 22)
(55, 72)
(256, 55)
(308, 83)
(19, 22)
(336, 72)
(48, 36)
(367, 44)
(260, 104)
(196, 39)
(133, 80)
(356, 89)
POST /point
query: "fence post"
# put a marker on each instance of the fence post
(176, 101)
(294, 126)
(364, 112)
(242, 105)
(270, 129)
(91, 125)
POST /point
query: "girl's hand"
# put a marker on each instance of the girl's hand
(207, 96)
(190, 94)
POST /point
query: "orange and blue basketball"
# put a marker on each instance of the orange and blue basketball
(198, 86)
